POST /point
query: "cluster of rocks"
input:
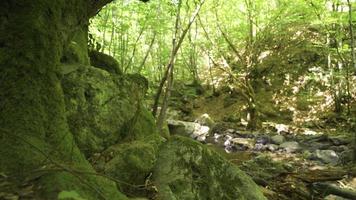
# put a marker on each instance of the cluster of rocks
(321, 148)
(314, 146)
(115, 131)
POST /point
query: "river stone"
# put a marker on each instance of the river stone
(263, 139)
(242, 143)
(326, 156)
(278, 139)
(190, 129)
(272, 147)
(290, 147)
(188, 170)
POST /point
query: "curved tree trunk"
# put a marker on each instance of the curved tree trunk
(34, 134)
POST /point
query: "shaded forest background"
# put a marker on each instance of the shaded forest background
(286, 61)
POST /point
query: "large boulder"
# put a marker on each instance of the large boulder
(105, 62)
(104, 109)
(186, 169)
(132, 163)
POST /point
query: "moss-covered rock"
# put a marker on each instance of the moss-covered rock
(87, 186)
(104, 109)
(132, 163)
(97, 107)
(105, 62)
(77, 50)
(186, 169)
(37, 149)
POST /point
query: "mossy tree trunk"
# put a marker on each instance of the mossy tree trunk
(33, 127)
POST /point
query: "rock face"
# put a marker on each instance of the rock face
(102, 110)
(188, 170)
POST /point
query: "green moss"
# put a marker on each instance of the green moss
(138, 82)
(98, 105)
(132, 163)
(87, 186)
(106, 62)
(77, 50)
(34, 130)
(140, 126)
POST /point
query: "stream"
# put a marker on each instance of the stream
(287, 162)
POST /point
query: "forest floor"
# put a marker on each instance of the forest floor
(288, 161)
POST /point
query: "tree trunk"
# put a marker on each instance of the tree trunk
(174, 52)
(34, 133)
(353, 61)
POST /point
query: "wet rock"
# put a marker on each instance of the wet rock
(325, 156)
(290, 147)
(282, 128)
(278, 139)
(200, 133)
(218, 139)
(242, 143)
(264, 139)
(272, 147)
(190, 129)
(259, 147)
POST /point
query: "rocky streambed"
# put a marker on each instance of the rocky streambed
(288, 162)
